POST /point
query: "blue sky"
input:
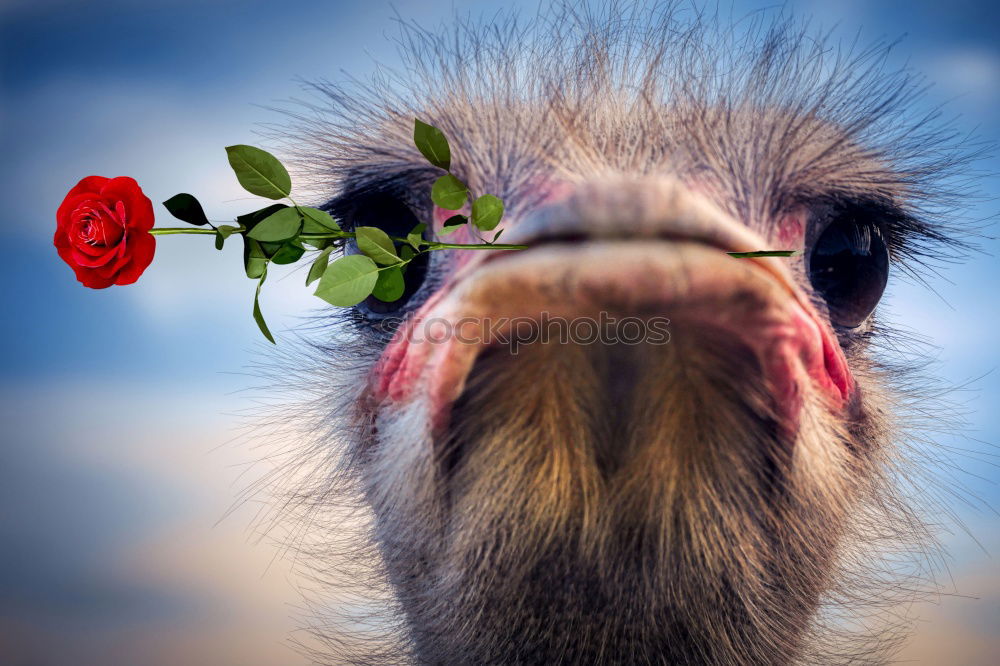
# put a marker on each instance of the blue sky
(93, 379)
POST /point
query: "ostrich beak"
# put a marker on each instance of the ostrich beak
(630, 248)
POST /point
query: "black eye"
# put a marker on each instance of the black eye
(396, 219)
(849, 267)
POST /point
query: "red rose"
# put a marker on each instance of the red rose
(102, 231)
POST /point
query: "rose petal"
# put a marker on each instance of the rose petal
(95, 230)
(143, 247)
(91, 185)
(87, 261)
(118, 261)
(101, 231)
(64, 217)
(85, 276)
(138, 208)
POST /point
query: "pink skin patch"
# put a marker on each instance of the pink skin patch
(809, 342)
(794, 345)
(791, 231)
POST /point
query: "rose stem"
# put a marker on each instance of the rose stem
(432, 245)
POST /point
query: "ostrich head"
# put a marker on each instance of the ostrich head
(699, 492)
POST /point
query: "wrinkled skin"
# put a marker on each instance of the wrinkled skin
(704, 501)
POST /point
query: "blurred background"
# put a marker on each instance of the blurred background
(120, 456)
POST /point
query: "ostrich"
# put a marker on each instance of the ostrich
(738, 495)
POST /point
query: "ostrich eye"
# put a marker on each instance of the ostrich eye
(849, 267)
(396, 219)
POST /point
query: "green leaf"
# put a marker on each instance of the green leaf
(453, 224)
(348, 280)
(318, 243)
(227, 230)
(222, 233)
(250, 220)
(416, 235)
(259, 172)
(289, 252)
(449, 192)
(185, 207)
(497, 235)
(258, 316)
(254, 258)
(486, 212)
(317, 221)
(270, 248)
(279, 226)
(432, 144)
(318, 266)
(389, 286)
(406, 253)
(375, 243)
